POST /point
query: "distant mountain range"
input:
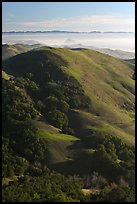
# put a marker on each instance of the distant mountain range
(59, 31)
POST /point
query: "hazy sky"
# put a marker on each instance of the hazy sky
(71, 16)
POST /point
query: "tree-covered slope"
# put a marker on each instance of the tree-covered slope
(69, 112)
(106, 81)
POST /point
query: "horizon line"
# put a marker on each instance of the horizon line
(96, 31)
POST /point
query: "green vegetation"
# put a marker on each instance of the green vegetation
(5, 75)
(49, 136)
(68, 125)
(46, 188)
(115, 194)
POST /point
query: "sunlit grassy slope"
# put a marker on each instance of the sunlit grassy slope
(57, 143)
(105, 79)
(108, 83)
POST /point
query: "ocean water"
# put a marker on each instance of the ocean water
(116, 41)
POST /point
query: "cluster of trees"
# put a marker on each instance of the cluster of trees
(16, 103)
(22, 148)
(111, 157)
(12, 164)
(54, 98)
(48, 187)
(114, 194)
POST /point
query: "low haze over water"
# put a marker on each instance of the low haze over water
(120, 41)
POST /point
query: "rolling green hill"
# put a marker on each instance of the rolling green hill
(69, 124)
(105, 80)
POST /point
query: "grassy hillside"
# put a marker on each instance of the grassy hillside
(58, 144)
(105, 79)
(12, 50)
(70, 112)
